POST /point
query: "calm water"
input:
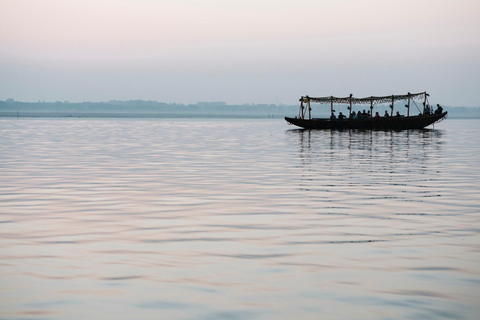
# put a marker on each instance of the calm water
(237, 219)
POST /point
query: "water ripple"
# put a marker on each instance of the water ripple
(237, 219)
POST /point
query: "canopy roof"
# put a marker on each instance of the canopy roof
(367, 100)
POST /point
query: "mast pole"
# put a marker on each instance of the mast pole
(391, 112)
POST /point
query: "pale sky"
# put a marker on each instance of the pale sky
(238, 51)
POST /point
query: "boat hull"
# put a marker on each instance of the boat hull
(382, 123)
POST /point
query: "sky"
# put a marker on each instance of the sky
(238, 51)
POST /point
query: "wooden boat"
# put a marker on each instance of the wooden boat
(390, 122)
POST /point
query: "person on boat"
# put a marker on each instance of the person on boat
(398, 115)
(427, 109)
(359, 115)
(365, 114)
(332, 117)
(386, 114)
(377, 115)
(353, 115)
(341, 116)
(439, 109)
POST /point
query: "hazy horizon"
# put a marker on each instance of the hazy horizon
(239, 52)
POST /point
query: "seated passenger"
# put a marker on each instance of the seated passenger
(427, 109)
(332, 117)
(341, 116)
(377, 115)
(439, 109)
(398, 115)
(365, 114)
(353, 115)
(386, 114)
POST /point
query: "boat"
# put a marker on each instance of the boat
(425, 117)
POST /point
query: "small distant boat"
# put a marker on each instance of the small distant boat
(365, 121)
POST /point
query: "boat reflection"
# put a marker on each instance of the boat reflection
(367, 158)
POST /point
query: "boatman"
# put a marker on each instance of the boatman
(439, 109)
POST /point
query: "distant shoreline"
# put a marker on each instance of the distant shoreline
(154, 109)
(133, 115)
(157, 115)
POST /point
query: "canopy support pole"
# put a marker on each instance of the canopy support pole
(425, 102)
(350, 114)
(371, 106)
(309, 110)
(331, 104)
(391, 112)
(408, 105)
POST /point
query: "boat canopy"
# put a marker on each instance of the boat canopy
(373, 100)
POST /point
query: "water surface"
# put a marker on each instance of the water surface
(237, 219)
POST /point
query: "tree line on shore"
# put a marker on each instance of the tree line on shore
(12, 107)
